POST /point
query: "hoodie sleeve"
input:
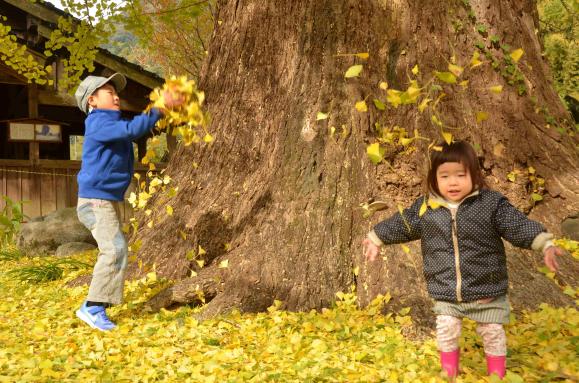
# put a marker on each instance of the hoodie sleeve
(110, 130)
(518, 229)
(399, 228)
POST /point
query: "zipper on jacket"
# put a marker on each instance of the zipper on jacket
(456, 255)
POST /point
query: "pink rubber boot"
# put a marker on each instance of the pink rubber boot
(497, 365)
(449, 362)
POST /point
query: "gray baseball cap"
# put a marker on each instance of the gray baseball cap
(91, 83)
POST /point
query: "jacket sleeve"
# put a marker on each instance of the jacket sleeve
(126, 130)
(518, 229)
(399, 228)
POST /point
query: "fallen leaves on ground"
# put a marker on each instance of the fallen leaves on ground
(41, 340)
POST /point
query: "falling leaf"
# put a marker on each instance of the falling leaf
(447, 137)
(455, 69)
(496, 89)
(321, 116)
(423, 104)
(332, 131)
(353, 71)
(446, 77)
(481, 116)
(224, 264)
(423, 209)
(208, 138)
(383, 85)
(474, 62)
(375, 152)
(394, 97)
(169, 209)
(436, 120)
(361, 106)
(517, 54)
(405, 249)
(201, 251)
(379, 104)
(415, 70)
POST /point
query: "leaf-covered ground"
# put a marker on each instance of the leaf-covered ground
(42, 341)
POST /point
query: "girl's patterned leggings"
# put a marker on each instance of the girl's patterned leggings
(448, 330)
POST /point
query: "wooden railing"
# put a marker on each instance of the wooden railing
(48, 185)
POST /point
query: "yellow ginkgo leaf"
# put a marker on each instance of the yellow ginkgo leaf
(474, 62)
(481, 116)
(517, 54)
(423, 209)
(446, 77)
(423, 104)
(463, 83)
(169, 209)
(447, 137)
(321, 116)
(496, 89)
(383, 85)
(201, 251)
(375, 153)
(363, 55)
(353, 71)
(415, 70)
(361, 106)
(455, 69)
(405, 249)
(224, 264)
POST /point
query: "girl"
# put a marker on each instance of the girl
(461, 225)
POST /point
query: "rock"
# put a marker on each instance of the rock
(72, 248)
(57, 228)
(570, 227)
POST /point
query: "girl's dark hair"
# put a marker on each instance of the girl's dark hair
(457, 151)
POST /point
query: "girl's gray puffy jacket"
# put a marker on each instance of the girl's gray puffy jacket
(472, 264)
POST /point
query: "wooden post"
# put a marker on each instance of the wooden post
(34, 147)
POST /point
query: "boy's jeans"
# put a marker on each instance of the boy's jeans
(100, 217)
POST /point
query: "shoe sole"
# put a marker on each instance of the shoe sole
(82, 316)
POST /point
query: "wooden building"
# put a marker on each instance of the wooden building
(39, 125)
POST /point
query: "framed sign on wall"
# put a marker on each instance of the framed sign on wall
(35, 130)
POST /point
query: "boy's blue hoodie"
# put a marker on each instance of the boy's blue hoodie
(107, 152)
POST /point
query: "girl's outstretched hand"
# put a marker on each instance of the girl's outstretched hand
(370, 249)
(551, 254)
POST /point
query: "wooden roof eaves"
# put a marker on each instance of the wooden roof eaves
(49, 13)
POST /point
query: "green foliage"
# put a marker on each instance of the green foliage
(46, 270)
(15, 55)
(10, 252)
(172, 34)
(10, 218)
(560, 34)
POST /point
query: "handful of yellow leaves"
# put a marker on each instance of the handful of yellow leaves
(186, 120)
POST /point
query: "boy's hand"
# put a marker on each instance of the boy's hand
(551, 253)
(370, 250)
(173, 99)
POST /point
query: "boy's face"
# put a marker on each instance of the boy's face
(105, 97)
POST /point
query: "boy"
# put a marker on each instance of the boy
(105, 174)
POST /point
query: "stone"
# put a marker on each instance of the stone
(570, 227)
(39, 237)
(73, 248)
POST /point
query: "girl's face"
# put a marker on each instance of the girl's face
(454, 181)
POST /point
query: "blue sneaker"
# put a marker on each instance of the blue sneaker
(95, 317)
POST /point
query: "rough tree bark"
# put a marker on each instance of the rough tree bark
(284, 194)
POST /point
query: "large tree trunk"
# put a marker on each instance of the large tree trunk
(278, 196)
